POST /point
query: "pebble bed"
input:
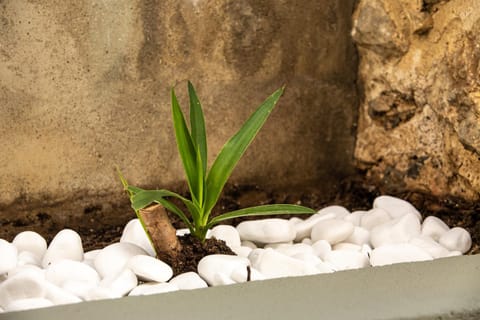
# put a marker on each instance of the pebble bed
(34, 275)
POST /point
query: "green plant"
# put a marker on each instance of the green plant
(206, 185)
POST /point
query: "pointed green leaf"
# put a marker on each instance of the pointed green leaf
(270, 209)
(185, 146)
(233, 150)
(197, 125)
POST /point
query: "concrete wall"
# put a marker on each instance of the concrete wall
(85, 85)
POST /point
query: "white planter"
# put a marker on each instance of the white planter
(447, 288)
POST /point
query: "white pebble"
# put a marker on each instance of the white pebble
(66, 244)
(27, 304)
(374, 217)
(304, 228)
(250, 244)
(396, 207)
(27, 268)
(21, 286)
(397, 253)
(32, 242)
(355, 217)
(333, 230)
(153, 288)
(456, 239)
(113, 258)
(61, 271)
(273, 264)
(346, 259)
(228, 234)
(339, 211)
(8, 254)
(122, 283)
(430, 246)
(267, 231)
(242, 251)
(134, 233)
(28, 258)
(321, 248)
(100, 293)
(399, 230)
(347, 246)
(216, 269)
(188, 280)
(150, 269)
(59, 296)
(434, 228)
(359, 236)
(294, 249)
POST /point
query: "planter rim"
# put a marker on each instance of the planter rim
(447, 288)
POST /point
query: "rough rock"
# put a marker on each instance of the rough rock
(419, 126)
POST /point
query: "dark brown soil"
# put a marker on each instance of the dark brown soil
(99, 229)
(193, 251)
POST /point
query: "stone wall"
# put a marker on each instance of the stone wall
(84, 85)
(419, 126)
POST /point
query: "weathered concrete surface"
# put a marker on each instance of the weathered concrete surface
(84, 85)
(419, 125)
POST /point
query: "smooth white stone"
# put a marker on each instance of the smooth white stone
(122, 283)
(339, 211)
(347, 246)
(150, 269)
(295, 220)
(228, 234)
(188, 281)
(221, 279)
(134, 233)
(1, 310)
(61, 271)
(399, 230)
(273, 264)
(374, 217)
(27, 269)
(153, 288)
(242, 251)
(27, 304)
(355, 217)
(309, 258)
(66, 244)
(456, 239)
(214, 268)
(59, 296)
(21, 286)
(28, 258)
(240, 275)
(250, 244)
(454, 254)
(434, 227)
(397, 253)
(8, 254)
(100, 293)
(366, 250)
(304, 228)
(113, 258)
(78, 288)
(90, 256)
(321, 248)
(278, 245)
(347, 259)
(307, 241)
(359, 236)
(333, 230)
(294, 249)
(32, 242)
(267, 231)
(430, 246)
(396, 207)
